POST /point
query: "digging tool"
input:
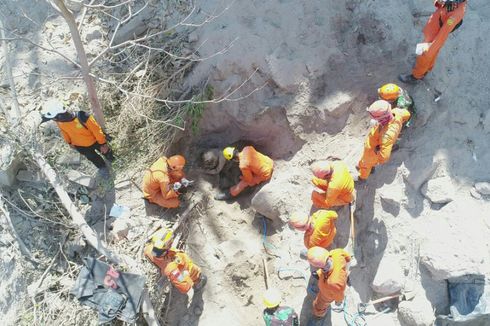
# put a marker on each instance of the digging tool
(352, 237)
(407, 296)
(266, 274)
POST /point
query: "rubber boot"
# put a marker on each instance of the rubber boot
(407, 78)
(202, 282)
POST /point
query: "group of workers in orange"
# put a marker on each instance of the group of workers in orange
(165, 180)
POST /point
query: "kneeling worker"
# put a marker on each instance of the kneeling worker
(383, 135)
(255, 167)
(332, 274)
(173, 263)
(334, 184)
(163, 180)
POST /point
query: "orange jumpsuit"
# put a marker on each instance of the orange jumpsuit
(322, 230)
(76, 134)
(339, 190)
(332, 284)
(256, 168)
(177, 266)
(441, 23)
(157, 184)
(383, 137)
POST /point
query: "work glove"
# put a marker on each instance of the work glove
(177, 186)
(186, 183)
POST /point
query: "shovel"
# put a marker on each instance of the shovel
(406, 296)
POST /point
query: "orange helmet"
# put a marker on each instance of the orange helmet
(299, 221)
(389, 92)
(176, 162)
(318, 256)
(321, 169)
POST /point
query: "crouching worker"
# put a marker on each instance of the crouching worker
(387, 124)
(173, 263)
(332, 274)
(275, 315)
(213, 162)
(334, 184)
(319, 228)
(255, 167)
(398, 98)
(164, 179)
(80, 131)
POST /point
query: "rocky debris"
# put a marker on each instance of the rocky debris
(483, 188)
(9, 165)
(93, 34)
(81, 179)
(6, 239)
(120, 228)
(439, 190)
(417, 312)
(390, 277)
(74, 5)
(283, 195)
(475, 194)
(74, 247)
(29, 176)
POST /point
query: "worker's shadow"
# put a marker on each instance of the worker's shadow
(183, 313)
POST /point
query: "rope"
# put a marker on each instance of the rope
(267, 245)
(355, 319)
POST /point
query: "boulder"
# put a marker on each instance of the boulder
(81, 179)
(483, 188)
(439, 190)
(390, 277)
(417, 312)
(283, 195)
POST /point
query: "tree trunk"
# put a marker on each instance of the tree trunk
(82, 56)
(14, 115)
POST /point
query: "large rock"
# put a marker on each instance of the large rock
(285, 194)
(390, 277)
(81, 179)
(483, 188)
(417, 312)
(439, 190)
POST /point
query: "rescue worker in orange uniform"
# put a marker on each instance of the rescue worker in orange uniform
(382, 136)
(319, 228)
(332, 274)
(164, 179)
(446, 19)
(398, 98)
(173, 263)
(255, 167)
(80, 131)
(334, 184)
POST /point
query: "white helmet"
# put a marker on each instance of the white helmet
(52, 108)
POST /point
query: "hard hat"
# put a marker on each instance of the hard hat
(272, 298)
(176, 162)
(165, 235)
(321, 169)
(228, 153)
(380, 111)
(52, 108)
(318, 256)
(299, 221)
(389, 92)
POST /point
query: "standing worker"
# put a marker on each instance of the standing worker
(173, 263)
(164, 179)
(332, 275)
(334, 184)
(80, 131)
(275, 315)
(445, 20)
(382, 136)
(319, 228)
(255, 167)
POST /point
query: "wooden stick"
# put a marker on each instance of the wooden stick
(266, 274)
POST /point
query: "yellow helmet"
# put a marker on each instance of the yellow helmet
(389, 92)
(272, 298)
(228, 152)
(162, 239)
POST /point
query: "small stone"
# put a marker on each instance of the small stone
(120, 228)
(417, 312)
(71, 158)
(28, 176)
(81, 179)
(483, 188)
(439, 190)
